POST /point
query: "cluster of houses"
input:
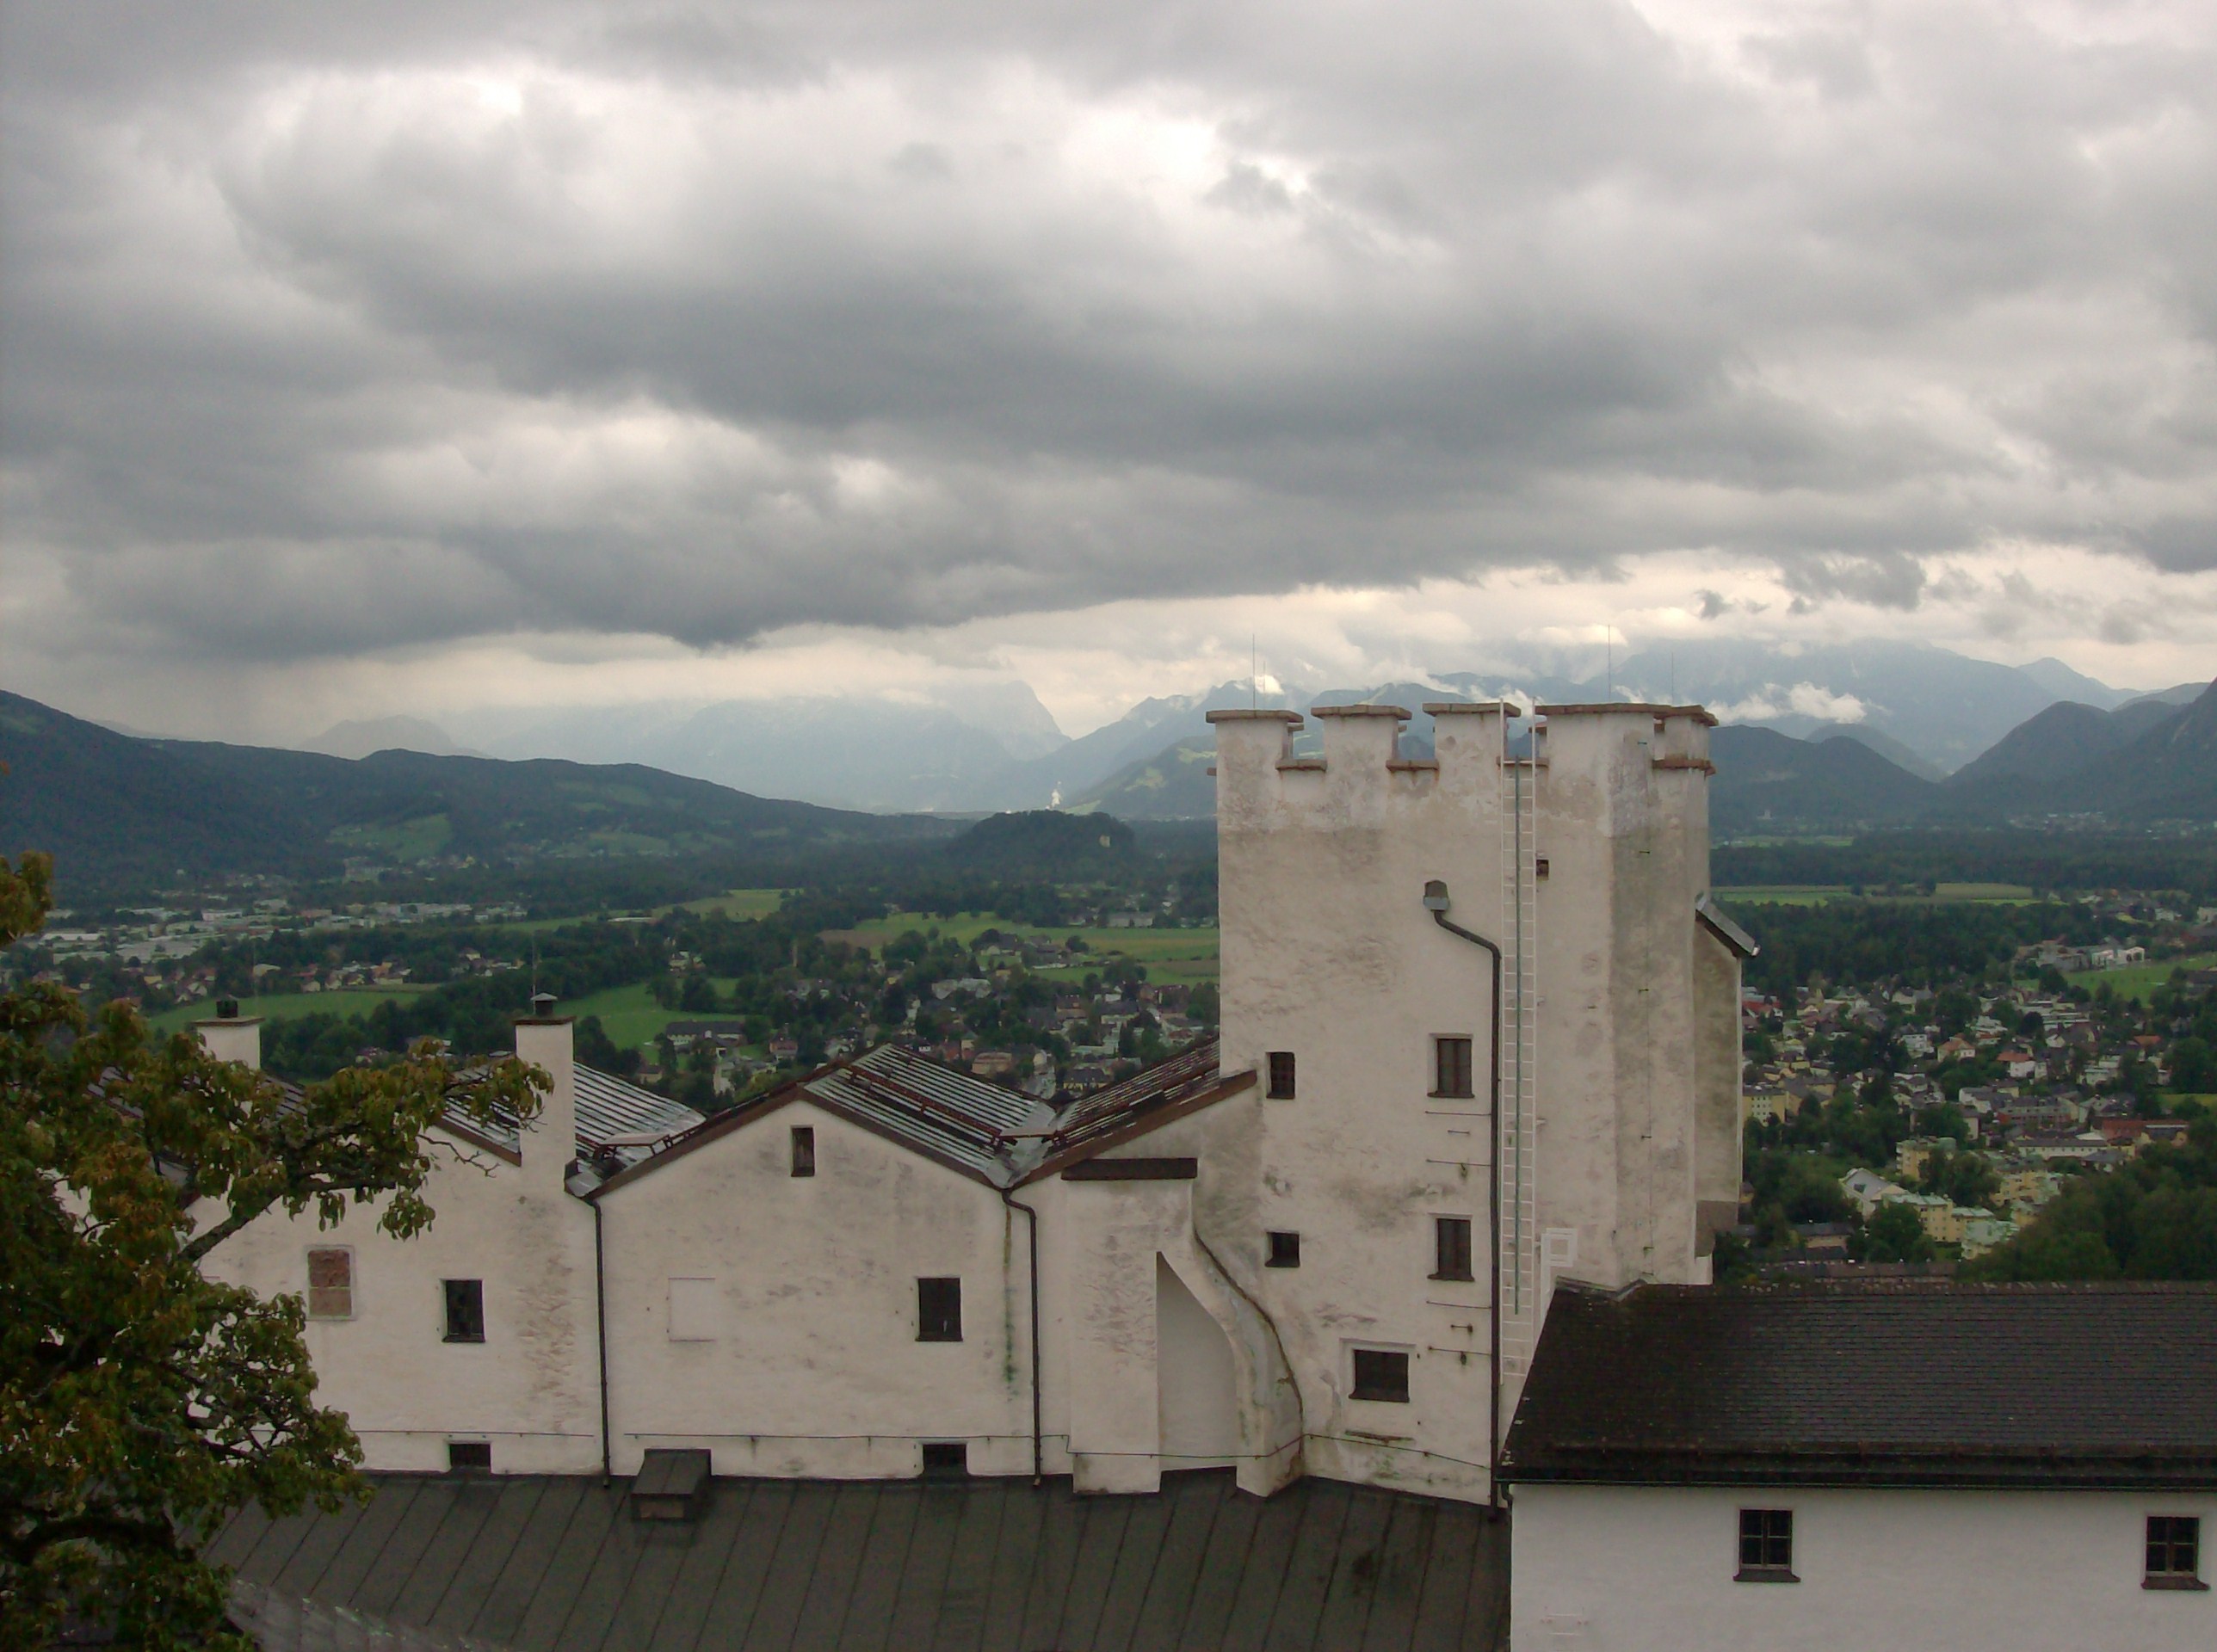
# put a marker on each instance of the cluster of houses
(2055, 1096)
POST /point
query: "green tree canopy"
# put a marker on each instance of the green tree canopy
(140, 1403)
(2152, 1218)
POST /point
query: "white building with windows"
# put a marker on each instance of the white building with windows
(1480, 1031)
(1948, 1467)
(1456, 1158)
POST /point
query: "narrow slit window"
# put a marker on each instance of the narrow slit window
(939, 1310)
(1451, 1248)
(1451, 1068)
(469, 1456)
(1282, 1075)
(465, 1310)
(803, 1150)
(1381, 1374)
(1285, 1250)
(2174, 1552)
(330, 1283)
(1766, 1546)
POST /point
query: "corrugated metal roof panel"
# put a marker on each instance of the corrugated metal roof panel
(935, 1107)
(607, 1107)
(549, 1565)
(1185, 1074)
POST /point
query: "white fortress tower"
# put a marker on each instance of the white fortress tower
(1441, 1175)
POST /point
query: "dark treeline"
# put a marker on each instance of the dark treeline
(2044, 861)
(1922, 945)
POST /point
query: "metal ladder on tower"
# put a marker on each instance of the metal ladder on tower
(1518, 1247)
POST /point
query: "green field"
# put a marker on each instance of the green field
(1816, 894)
(631, 1017)
(629, 1014)
(287, 1006)
(2142, 979)
(1184, 956)
(739, 903)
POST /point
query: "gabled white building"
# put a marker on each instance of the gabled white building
(1480, 1033)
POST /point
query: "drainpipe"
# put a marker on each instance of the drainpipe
(1031, 1223)
(1435, 902)
(600, 1308)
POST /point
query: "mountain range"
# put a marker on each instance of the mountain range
(989, 744)
(2150, 759)
(125, 809)
(120, 810)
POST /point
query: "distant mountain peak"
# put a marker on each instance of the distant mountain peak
(361, 738)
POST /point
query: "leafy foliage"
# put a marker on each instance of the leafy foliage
(141, 1402)
(2153, 1219)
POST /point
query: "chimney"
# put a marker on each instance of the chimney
(231, 1036)
(550, 1142)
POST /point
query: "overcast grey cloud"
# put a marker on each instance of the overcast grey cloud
(351, 329)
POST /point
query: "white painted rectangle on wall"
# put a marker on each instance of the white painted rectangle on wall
(692, 1313)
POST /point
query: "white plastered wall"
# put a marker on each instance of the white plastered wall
(530, 1390)
(1329, 952)
(1650, 1570)
(805, 1361)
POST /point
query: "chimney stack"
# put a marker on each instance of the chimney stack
(550, 1142)
(231, 1037)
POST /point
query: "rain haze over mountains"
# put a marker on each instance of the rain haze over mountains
(997, 747)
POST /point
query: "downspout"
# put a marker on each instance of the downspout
(1435, 902)
(601, 1309)
(1031, 1225)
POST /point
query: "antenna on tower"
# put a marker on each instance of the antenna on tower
(1608, 644)
(1254, 674)
(534, 966)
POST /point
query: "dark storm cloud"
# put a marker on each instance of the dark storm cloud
(342, 327)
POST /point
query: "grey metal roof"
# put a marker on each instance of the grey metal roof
(1893, 1383)
(1189, 1073)
(607, 1107)
(943, 1112)
(286, 1623)
(980, 1565)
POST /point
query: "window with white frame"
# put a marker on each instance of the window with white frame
(2174, 1552)
(1766, 1546)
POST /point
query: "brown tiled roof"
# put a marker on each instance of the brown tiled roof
(1863, 1383)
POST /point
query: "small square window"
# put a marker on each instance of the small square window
(469, 1456)
(803, 1150)
(939, 1310)
(1766, 1546)
(1282, 1075)
(465, 1310)
(1451, 1067)
(1451, 1248)
(330, 1283)
(1380, 1375)
(1285, 1250)
(946, 1459)
(2174, 1552)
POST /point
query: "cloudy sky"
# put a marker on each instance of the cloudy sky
(407, 357)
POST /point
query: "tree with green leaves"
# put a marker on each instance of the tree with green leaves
(2153, 1217)
(142, 1404)
(1893, 1234)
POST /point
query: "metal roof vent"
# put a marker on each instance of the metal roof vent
(670, 1485)
(227, 1009)
(542, 1006)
